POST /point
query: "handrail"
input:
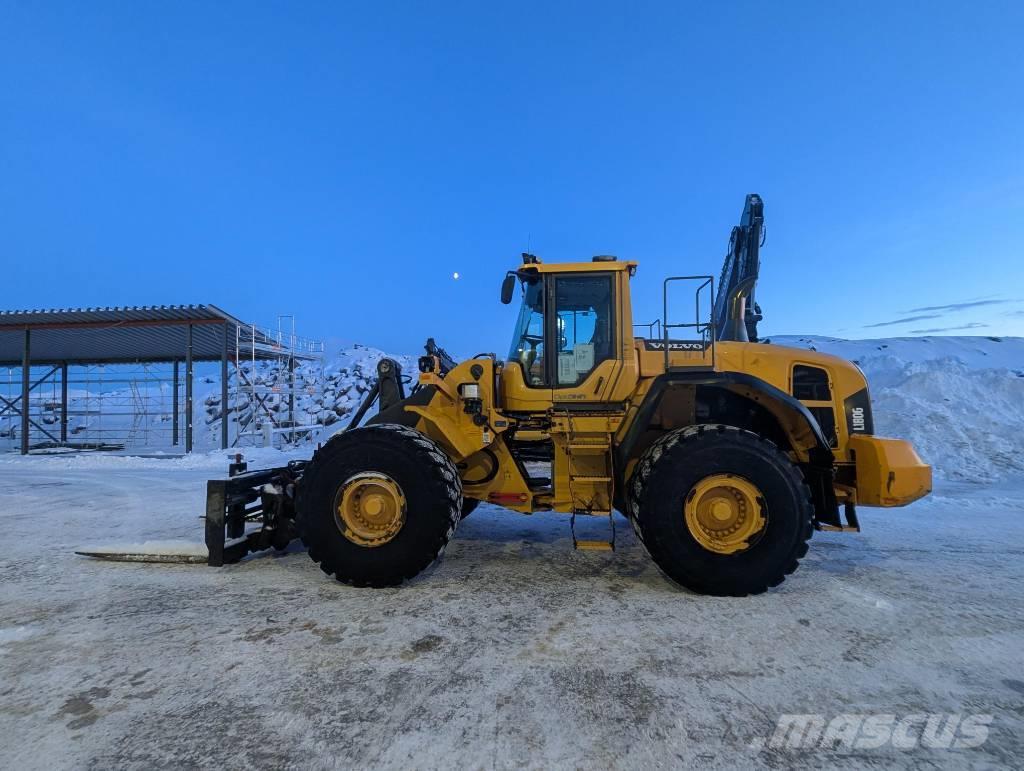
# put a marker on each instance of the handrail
(705, 329)
(650, 328)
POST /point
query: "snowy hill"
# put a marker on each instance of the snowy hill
(960, 400)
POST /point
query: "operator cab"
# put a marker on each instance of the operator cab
(567, 338)
(565, 328)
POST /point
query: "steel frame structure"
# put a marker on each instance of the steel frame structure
(53, 341)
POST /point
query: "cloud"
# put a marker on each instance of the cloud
(958, 306)
(931, 312)
(972, 325)
(907, 320)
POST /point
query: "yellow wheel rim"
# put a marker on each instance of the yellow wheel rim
(370, 509)
(725, 513)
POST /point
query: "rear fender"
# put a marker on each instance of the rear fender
(801, 429)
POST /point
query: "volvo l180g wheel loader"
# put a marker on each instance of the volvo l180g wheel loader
(723, 452)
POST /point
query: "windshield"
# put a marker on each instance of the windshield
(528, 339)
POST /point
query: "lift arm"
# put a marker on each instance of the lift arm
(389, 388)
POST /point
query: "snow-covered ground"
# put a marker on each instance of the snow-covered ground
(516, 650)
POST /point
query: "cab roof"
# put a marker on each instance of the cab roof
(596, 266)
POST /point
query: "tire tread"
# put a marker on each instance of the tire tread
(429, 456)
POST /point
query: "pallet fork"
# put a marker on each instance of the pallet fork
(266, 496)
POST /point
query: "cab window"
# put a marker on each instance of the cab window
(528, 339)
(811, 384)
(584, 329)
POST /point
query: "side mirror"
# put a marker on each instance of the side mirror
(508, 288)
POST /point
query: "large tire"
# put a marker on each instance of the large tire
(668, 474)
(642, 472)
(427, 479)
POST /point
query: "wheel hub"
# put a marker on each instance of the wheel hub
(725, 513)
(370, 509)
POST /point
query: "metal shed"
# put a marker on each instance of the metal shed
(59, 338)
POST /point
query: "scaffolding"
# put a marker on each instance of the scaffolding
(268, 384)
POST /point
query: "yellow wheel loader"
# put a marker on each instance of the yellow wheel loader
(723, 452)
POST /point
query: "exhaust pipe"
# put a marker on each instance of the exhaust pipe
(736, 322)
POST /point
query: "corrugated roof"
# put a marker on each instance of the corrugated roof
(128, 334)
(115, 315)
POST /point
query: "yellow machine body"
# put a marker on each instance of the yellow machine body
(598, 423)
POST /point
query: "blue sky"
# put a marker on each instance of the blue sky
(339, 162)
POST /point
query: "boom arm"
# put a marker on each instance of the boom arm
(736, 313)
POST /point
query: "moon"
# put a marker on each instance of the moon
(455, 275)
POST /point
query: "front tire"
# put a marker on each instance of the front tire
(721, 510)
(378, 504)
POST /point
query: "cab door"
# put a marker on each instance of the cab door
(584, 346)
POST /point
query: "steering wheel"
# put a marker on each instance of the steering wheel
(527, 358)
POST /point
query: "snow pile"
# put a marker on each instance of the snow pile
(960, 400)
(325, 394)
(351, 375)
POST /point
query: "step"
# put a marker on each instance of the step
(583, 446)
(574, 478)
(595, 546)
(838, 529)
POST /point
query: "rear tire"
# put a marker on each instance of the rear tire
(427, 480)
(668, 476)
